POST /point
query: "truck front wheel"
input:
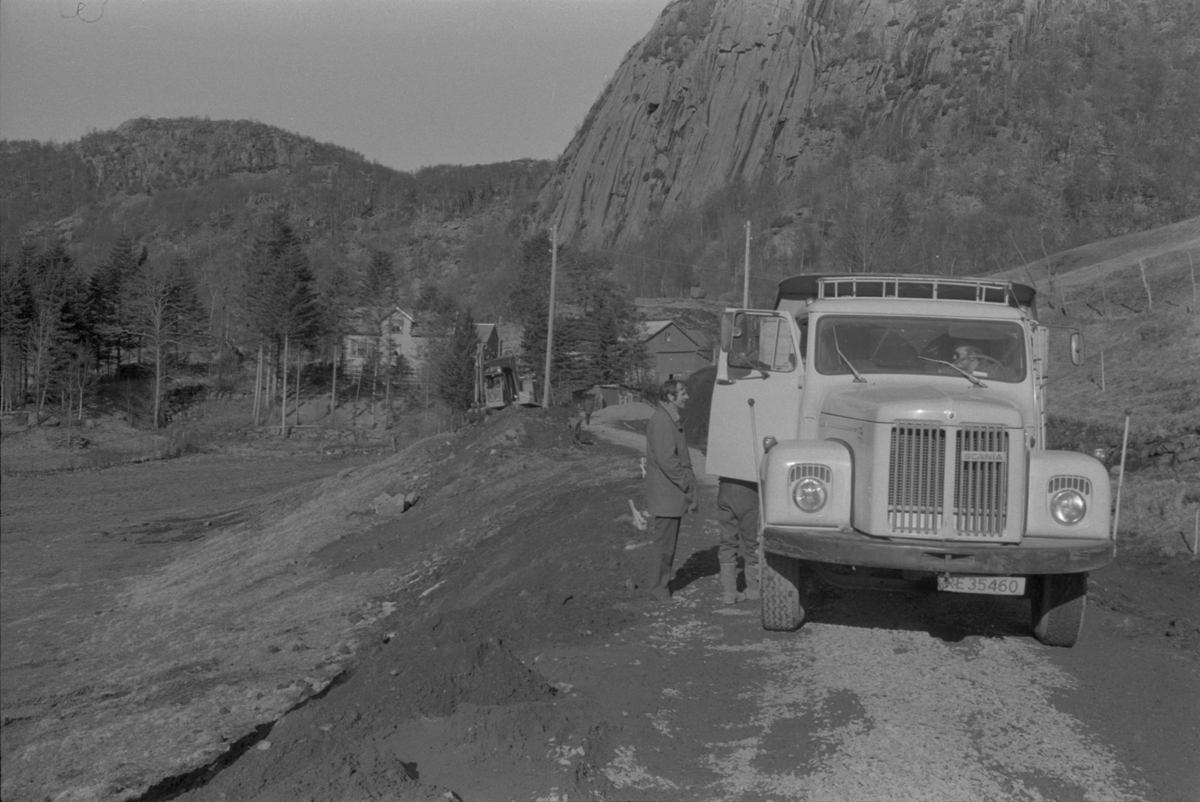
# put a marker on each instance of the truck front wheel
(782, 608)
(1057, 604)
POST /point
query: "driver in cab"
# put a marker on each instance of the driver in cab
(968, 358)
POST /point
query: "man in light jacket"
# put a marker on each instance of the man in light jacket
(670, 483)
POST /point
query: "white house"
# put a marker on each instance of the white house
(394, 330)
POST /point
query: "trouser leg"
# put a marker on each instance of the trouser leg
(727, 524)
(737, 520)
(666, 538)
(748, 535)
(728, 542)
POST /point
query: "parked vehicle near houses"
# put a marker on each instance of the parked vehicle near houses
(896, 427)
(499, 384)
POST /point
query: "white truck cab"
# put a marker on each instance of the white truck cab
(895, 425)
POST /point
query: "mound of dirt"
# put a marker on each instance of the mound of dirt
(554, 560)
(345, 749)
(435, 674)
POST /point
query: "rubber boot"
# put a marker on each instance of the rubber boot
(752, 582)
(729, 591)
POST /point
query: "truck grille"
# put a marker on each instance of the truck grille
(981, 487)
(917, 481)
(916, 478)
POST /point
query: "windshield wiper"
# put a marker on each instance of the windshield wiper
(857, 376)
(972, 379)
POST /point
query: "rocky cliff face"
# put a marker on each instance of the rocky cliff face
(144, 155)
(728, 90)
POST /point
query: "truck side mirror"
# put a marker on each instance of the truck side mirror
(729, 330)
(1076, 348)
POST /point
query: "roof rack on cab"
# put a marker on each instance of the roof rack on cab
(878, 285)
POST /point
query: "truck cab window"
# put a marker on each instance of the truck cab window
(877, 344)
(762, 342)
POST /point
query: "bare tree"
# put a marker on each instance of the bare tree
(164, 313)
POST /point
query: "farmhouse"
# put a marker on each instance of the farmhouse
(397, 332)
(674, 352)
(392, 330)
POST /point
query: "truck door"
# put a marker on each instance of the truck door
(760, 360)
(1040, 367)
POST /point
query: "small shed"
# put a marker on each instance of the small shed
(613, 394)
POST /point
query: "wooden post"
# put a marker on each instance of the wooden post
(1195, 309)
(283, 391)
(1102, 388)
(387, 400)
(1146, 284)
(258, 380)
(271, 378)
(746, 280)
(299, 356)
(550, 322)
(1121, 476)
(333, 387)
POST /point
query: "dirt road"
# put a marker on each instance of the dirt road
(514, 662)
(880, 696)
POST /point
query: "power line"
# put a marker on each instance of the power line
(707, 270)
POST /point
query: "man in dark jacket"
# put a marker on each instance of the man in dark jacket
(670, 483)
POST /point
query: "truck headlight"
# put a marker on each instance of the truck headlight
(1068, 507)
(810, 494)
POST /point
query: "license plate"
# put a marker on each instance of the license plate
(992, 585)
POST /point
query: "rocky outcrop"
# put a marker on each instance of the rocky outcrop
(145, 155)
(722, 91)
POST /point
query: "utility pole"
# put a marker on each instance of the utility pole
(550, 322)
(746, 282)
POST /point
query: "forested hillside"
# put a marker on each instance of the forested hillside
(249, 248)
(198, 186)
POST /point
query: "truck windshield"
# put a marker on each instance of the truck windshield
(987, 349)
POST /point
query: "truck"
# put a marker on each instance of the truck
(498, 384)
(896, 428)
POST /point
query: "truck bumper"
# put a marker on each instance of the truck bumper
(1030, 556)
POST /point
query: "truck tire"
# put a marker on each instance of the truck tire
(782, 610)
(1057, 602)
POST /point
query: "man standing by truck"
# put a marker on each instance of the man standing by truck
(737, 518)
(670, 484)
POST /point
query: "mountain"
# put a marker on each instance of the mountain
(202, 187)
(1031, 123)
(962, 137)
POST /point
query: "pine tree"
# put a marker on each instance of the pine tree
(54, 302)
(15, 310)
(335, 296)
(107, 318)
(278, 299)
(455, 366)
(529, 301)
(377, 297)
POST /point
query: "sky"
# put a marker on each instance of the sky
(407, 83)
